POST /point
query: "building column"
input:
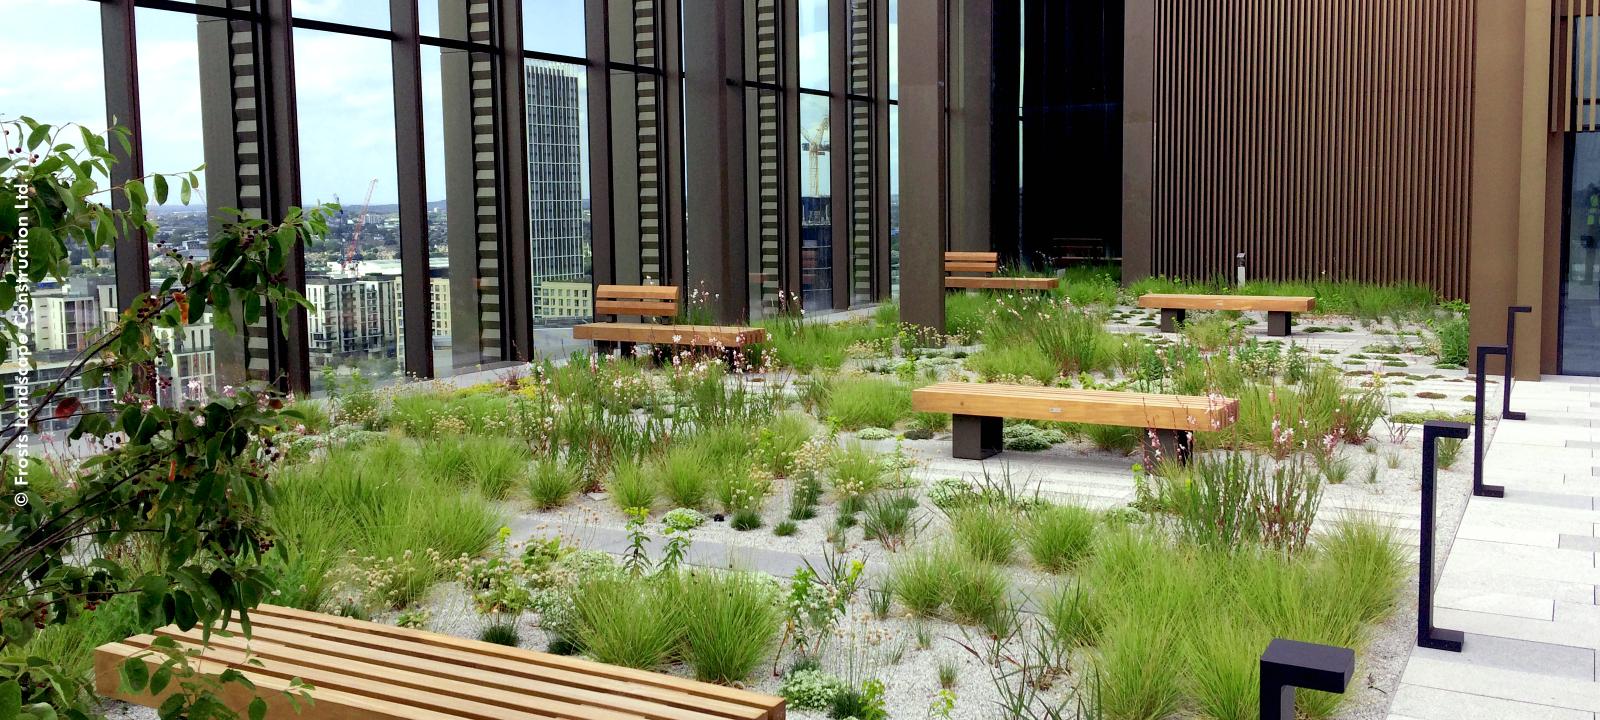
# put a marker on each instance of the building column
(417, 301)
(972, 121)
(1138, 136)
(924, 163)
(713, 107)
(289, 357)
(1510, 178)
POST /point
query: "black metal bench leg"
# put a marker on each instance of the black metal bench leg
(1171, 318)
(1164, 446)
(614, 347)
(975, 437)
(1278, 324)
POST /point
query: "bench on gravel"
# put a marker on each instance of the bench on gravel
(986, 264)
(978, 412)
(655, 301)
(365, 671)
(1174, 308)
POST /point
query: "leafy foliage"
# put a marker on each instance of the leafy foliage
(187, 486)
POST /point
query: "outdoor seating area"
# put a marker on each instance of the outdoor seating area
(800, 360)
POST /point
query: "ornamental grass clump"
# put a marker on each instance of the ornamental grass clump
(681, 475)
(631, 487)
(857, 471)
(1058, 537)
(856, 402)
(551, 483)
(731, 623)
(626, 620)
(1225, 501)
(986, 531)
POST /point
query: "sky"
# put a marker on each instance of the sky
(344, 87)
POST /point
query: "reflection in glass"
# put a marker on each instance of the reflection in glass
(816, 209)
(813, 39)
(1580, 286)
(347, 156)
(558, 219)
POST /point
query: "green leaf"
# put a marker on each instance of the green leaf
(38, 136)
(161, 190)
(135, 674)
(186, 187)
(10, 700)
(258, 709)
(160, 679)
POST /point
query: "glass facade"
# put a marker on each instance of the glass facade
(476, 212)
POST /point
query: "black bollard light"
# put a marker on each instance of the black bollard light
(1478, 488)
(1290, 664)
(1511, 350)
(1429, 636)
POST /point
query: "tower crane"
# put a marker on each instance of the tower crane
(816, 145)
(355, 235)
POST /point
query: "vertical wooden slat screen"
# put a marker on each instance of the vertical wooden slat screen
(1325, 139)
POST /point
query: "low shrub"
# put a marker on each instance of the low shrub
(1454, 339)
(1012, 361)
(857, 471)
(501, 633)
(683, 519)
(1228, 500)
(810, 689)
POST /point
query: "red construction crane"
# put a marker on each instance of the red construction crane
(355, 235)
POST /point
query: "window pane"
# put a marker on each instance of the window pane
(816, 209)
(169, 89)
(894, 49)
(894, 200)
(813, 38)
(56, 77)
(553, 26)
(366, 13)
(347, 155)
(557, 199)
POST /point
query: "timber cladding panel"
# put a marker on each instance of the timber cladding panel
(1323, 138)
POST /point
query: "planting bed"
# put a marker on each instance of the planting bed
(838, 555)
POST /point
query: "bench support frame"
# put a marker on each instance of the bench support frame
(613, 347)
(1171, 318)
(1278, 324)
(1166, 446)
(976, 437)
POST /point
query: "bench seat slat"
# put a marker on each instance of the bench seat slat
(1141, 410)
(366, 671)
(1269, 303)
(355, 683)
(636, 307)
(971, 256)
(108, 660)
(477, 647)
(1002, 283)
(969, 266)
(636, 292)
(652, 701)
(731, 336)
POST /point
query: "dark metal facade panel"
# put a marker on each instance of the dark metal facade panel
(924, 162)
(1323, 140)
(406, 62)
(289, 359)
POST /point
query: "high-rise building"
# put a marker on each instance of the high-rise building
(555, 182)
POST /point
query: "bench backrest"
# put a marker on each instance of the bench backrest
(983, 262)
(641, 300)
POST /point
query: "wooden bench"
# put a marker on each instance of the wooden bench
(986, 264)
(978, 412)
(655, 301)
(365, 671)
(1174, 308)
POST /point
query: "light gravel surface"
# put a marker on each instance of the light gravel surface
(1071, 472)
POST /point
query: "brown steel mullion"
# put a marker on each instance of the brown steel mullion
(511, 139)
(670, 162)
(406, 61)
(791, 283)
(289, 359)
(882, 282)
(119, 39)
(839, 194)
(602, 241)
